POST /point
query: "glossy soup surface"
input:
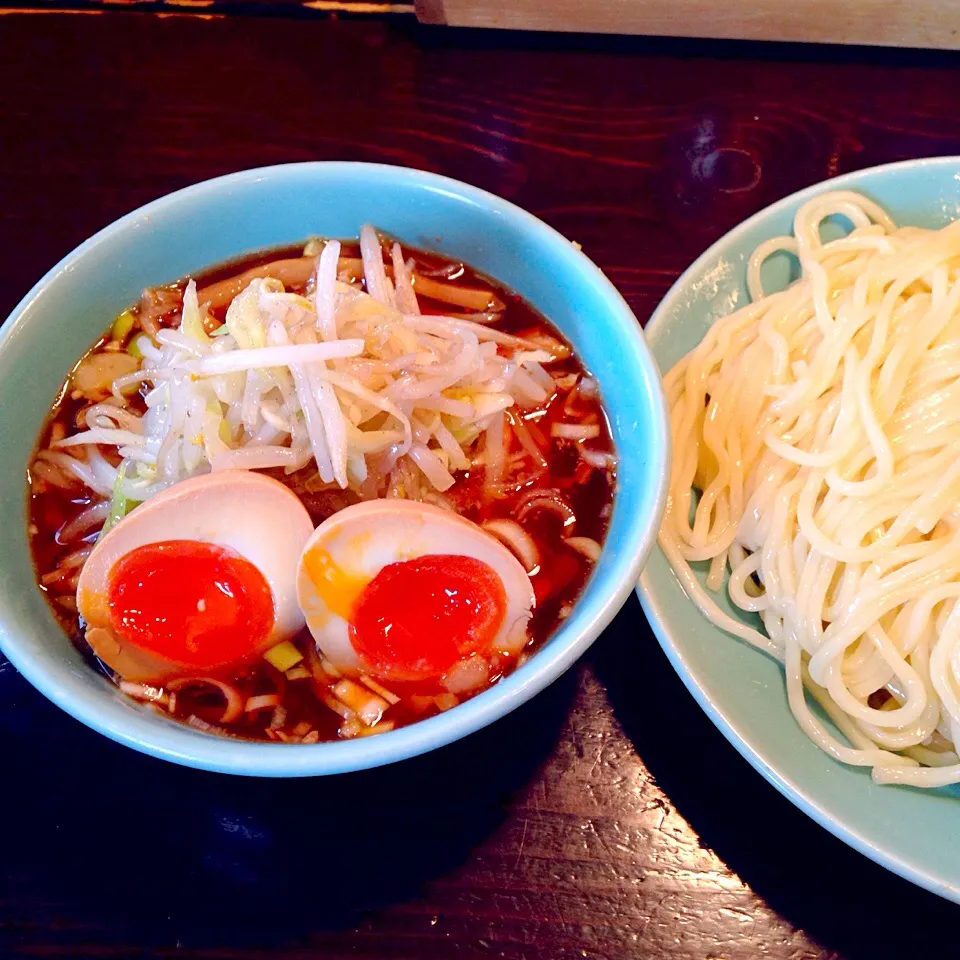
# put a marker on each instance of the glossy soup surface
(303, 710)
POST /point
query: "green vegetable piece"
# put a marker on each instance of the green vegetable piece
(134, 349)
(122, 326)
(120, 506)
(283, 656)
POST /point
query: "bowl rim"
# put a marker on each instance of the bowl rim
(180, 744)
(654, 608)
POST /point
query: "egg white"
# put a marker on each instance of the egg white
(356, 543)
(254, 515)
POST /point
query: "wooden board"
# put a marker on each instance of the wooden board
(896, 23)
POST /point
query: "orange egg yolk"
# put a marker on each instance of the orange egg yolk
(415, 619)
(197, 604)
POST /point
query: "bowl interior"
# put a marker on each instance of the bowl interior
(218, 220)
(906, 829)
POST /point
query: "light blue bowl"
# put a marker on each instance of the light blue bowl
(217, 220)
(910, 831)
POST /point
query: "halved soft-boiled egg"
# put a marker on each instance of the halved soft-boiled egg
(198, 578)
(409, 592)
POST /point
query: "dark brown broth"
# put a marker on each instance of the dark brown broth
(558, 581)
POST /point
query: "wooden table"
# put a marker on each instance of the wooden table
(577, 828)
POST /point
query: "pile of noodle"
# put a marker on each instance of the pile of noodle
(817, 457)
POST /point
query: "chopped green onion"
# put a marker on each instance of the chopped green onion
(244, 320)
(120, 506)
(283, 656)
(122, 326)
(465, 434)
(191, 319)
(134, 348)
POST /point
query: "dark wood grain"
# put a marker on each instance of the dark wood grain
(577, 827)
